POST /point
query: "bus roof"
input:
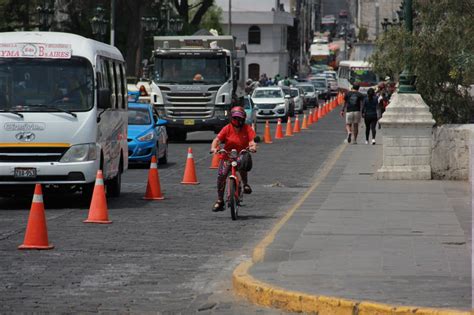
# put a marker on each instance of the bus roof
(79, 45)
(355, 64)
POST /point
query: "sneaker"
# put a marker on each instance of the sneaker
(373, 141)
(247, 189)
(366, 142)
(218, 206)
(349, 138)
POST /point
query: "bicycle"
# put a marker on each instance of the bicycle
(234, 196)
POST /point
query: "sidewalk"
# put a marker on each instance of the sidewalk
(357, 245)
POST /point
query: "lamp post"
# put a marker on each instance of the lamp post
(45, 15)
(99, 24)
(407, 78)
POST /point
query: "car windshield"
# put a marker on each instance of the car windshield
(307, 88)
(46, 84)
(293, 92)
(200, 69)
(318, 84)
(267, 94)
(363, 76)
(138, 116)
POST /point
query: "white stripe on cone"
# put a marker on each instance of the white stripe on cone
(99, 182)
(37, 198)
(190, 155)
(153, 165)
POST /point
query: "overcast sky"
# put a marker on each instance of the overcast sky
(251, 5)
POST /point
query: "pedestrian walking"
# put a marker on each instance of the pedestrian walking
(370, 111)
(352, 107)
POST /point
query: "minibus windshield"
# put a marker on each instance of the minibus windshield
(38, 85)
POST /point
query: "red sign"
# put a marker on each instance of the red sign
(35, 50)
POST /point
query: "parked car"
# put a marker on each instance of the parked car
(321, 85)
(250, 110)
(310, 94)
(271, 102)
(291, 101)
(298, 98)
(147, 134)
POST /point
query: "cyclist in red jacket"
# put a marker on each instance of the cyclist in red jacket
(239, 136)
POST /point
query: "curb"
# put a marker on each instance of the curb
(265, 294)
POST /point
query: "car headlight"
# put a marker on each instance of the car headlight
(80, 153)
(281, 105)
(148, 137)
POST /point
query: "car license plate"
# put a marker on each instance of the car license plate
(266, 112)
(188, 122)
(24, 172)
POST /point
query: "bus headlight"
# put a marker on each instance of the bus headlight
(80, 153)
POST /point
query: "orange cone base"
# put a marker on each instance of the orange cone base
(35, 247)
(97, 221)
(190, 183)
(156, 198)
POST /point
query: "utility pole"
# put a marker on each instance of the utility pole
(112, 22)
(230, 17)
(377, 19)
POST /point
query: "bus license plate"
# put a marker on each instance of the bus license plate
(189, 122)
(25, 172)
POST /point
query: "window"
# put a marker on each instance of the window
(254, 35)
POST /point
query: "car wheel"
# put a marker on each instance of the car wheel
(164, 158)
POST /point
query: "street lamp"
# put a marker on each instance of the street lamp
(45, 16)
(99, 23)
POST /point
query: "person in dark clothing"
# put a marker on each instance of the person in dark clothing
(352, 107)
(370, 109)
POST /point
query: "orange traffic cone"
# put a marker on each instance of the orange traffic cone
(189, 177)
(305, 122)
(279, 130)
(310, 118)
(98, 211)
(36, 235)
(316, 114)
(153, 187)
(296, 128)
(215, 161)
(267, 138)
(289, 132)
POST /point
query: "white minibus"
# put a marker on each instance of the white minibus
(63, 113)
(356, 72)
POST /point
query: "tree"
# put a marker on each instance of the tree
(440, 52)
(212, 19)
(198, 8)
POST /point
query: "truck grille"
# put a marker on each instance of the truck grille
(189, 105)
(31, 154)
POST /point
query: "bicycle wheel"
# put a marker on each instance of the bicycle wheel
(232, 201)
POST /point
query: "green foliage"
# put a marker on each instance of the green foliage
(440, 52)
(363, 34)
(212, 19)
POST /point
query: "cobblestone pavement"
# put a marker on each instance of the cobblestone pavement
(172, 256)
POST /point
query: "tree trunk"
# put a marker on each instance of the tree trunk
(134, 54)
(205, 5)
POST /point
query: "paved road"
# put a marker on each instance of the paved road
(170, 256)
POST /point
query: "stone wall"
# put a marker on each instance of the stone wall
(452, 152)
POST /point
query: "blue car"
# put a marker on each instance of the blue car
(146, 134)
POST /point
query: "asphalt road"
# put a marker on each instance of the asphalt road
(172, 256)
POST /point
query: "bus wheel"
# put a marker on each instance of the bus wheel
(114, 185)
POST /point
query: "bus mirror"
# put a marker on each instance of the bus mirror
(103, 98)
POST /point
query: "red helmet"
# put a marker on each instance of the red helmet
(238, 111)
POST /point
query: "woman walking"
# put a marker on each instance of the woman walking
(370, 111)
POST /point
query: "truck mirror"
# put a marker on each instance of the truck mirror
(103, 98)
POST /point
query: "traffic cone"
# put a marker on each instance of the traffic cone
(153, 187)
(310, 118)
(36, 235)
(279, 130)
(98, 211)
(289, 132)
(189, 177)
(296, 128)
(215, 161)
(305, 122)
(267, 138)
(316, 114)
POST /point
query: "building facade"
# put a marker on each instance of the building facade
(263, 27)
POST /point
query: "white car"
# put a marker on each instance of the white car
(271, 102)
(298, 99)
(333, 86)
